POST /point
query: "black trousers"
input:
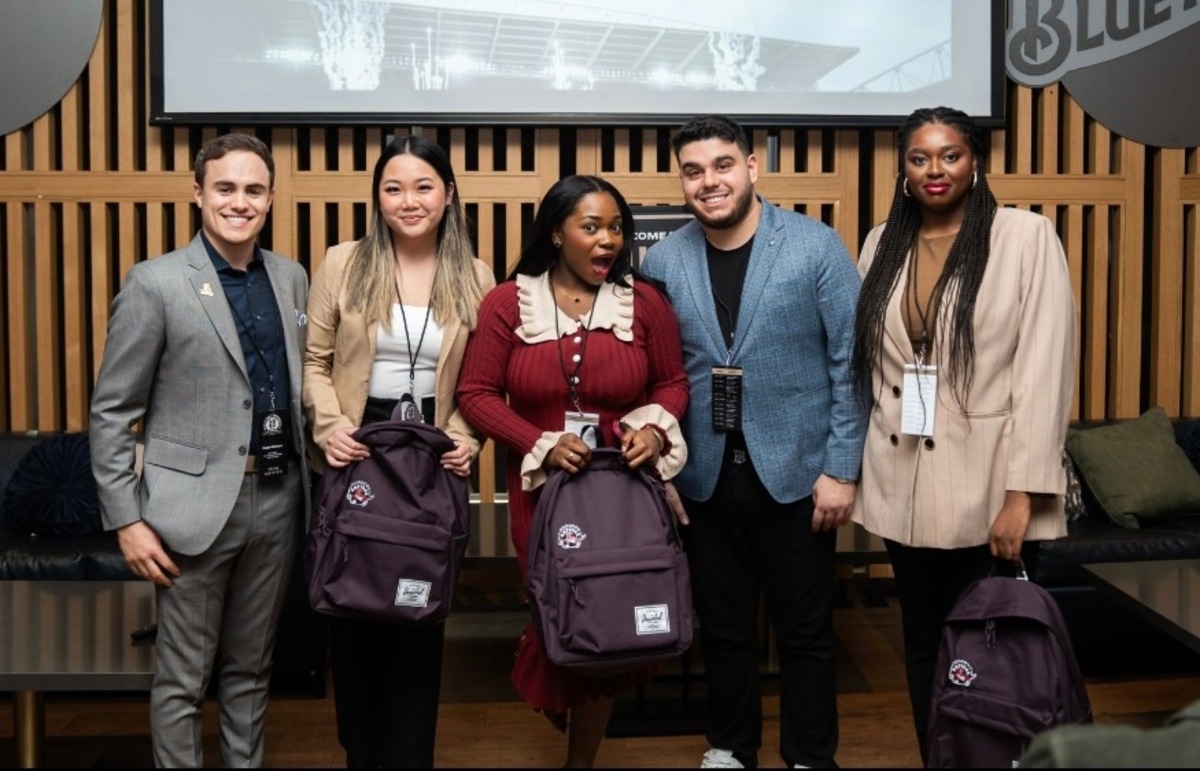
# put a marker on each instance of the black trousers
(928, 582)
(386, 684)
(742, 543)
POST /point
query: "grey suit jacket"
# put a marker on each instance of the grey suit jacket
(793, 340)
(174, 361)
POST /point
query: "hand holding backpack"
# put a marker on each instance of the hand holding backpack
(389, 532)
(608, 579)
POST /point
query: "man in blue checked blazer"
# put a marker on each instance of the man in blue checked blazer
(765, 299)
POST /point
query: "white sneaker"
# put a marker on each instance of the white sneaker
(715, 758)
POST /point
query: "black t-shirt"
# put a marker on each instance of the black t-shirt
(727, 271)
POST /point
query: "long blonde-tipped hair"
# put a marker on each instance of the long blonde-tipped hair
(371, 278)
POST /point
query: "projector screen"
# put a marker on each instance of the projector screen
(814, 62)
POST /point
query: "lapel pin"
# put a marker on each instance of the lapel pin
(206, 290)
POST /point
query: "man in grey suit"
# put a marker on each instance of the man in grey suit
(204, 348)
(765, 300)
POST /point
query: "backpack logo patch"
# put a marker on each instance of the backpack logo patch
(413, 593)
(652, 619)
(962, 673)
(359, 493)
(571, 536)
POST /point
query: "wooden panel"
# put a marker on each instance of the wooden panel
(99, 86)
(1072, 235)
(101, 280)
(1095, 308)
(284, 237)
(1191, 318)
(45, 293)
(1126, 372)
(884, 168)
(21, 364)
(1047, 162)
(587, 151)
(649, 150)
(128, 85)
(75, 319)
(1166, 306)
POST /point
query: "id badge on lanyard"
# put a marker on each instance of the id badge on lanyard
(919, 404)
(585, 425)
(274, 428)
(727, 398)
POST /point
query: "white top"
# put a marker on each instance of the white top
(389, 373)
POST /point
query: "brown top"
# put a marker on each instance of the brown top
(924, 270)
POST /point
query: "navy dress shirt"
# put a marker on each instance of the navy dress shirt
(260, 330)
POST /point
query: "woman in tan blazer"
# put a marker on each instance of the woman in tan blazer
(389, 317)
(965, 350)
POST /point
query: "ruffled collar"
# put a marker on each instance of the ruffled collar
(613, 310)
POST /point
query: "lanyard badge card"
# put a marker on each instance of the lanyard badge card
(274, 430)
(920, 399)
(585, 425)
(727, 398)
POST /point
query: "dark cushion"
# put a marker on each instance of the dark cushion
(1135, 470)
(52, 491)
(1188, 436)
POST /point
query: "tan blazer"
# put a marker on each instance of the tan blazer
(945, 491)
(340, 352)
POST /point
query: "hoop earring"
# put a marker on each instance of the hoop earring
(906, 193)
(974, 178)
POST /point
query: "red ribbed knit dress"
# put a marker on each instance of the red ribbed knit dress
(615, 377)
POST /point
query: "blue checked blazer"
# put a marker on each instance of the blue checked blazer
(794, 338)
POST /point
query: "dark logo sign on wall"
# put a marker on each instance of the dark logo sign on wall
(1129, 63)
(654, 223)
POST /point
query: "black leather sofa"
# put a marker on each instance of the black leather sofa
(1095, 538)
(301, 642)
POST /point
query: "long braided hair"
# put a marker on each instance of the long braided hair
(961, 277)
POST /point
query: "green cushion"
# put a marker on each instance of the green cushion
(1135, 470)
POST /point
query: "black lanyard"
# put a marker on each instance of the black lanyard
(412, 355)
(251, 332)
(572, 377)
(923, 314)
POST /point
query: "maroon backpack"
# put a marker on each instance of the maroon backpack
(389, 532)
(608, 579)
(1006, 671)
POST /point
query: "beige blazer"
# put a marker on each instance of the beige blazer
(340, 352)
(946, 490)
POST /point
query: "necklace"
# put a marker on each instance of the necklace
(575, 298)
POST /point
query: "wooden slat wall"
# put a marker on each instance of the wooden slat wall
(89, 189)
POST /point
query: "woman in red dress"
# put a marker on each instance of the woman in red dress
(575, 351)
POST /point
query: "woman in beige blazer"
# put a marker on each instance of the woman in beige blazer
(388, 319)
(965, 350)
